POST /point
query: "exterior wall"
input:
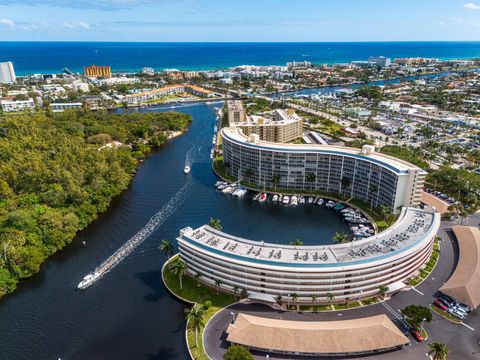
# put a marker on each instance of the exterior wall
(260, 165)
(95, 70)
(7, 73)
(272, 132)
(345, 282)
(20, 105)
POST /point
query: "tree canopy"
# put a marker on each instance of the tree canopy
(55, 177)
(237, 352)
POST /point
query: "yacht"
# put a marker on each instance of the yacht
(87, 280)
(310, 199)
(286, 200)
(275, 198)
(294, 200)
(187, 169)
(262, 198)
(320, 202)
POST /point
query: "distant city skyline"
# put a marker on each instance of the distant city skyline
(225, 21)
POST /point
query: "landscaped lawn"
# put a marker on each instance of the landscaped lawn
(195, 291)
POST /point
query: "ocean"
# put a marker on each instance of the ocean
(52, 57)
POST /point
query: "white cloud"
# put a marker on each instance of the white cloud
(472, 6)
(77, 25)
(7, 22)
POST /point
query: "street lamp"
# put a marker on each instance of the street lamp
(233, 316)
(421, 327)
(288, 301)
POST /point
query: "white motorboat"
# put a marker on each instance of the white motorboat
(320, 202)
(88, 280)
(187, 169)
(228, 190)
(301, 199)
(330, 204)
(310, 199)
(286, 200)
(294, 200)
(275, 198)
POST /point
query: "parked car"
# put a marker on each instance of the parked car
(438, 303)
(447, 300)
(417, 335)
(464, 307)
(457, 313)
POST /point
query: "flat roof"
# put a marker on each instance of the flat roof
(463, 285)
(440, 205)
(316, 337)
(236, 134)
(412, 227)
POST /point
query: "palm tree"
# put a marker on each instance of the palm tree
(311, 177)
(382, 290)
(373, 189)
(339, 238)
(439, 350)
(235, 290)
(295, 299)
(198, 276)
(330, 296)
(215, 223)
(195, 319)
(279, 299)
(345, 182)
(218, 283)
(248, 174)
(297, 242)
(166, 248)
(275, 181)
(180, 268)
(314, 298)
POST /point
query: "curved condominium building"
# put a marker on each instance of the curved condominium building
(364, 174)
(314, 273)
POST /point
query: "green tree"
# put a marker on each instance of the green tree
(180, 268)
(237, 352)
(382, 290)
(195, 319)
(345, 182)
(330, 296)
(414, 315)
(215, 223)
(166, 248)
(276, 181)
(340, 237)
(439, 350)
(311, 178)
(296, 242)
(373, 189)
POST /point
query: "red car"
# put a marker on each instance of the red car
(417, 335)
(440, 304)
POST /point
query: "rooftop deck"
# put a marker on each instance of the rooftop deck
(412, 227)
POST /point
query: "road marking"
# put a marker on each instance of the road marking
(467, 326)
(418, 291)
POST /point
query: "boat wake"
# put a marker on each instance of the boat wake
(155, 221)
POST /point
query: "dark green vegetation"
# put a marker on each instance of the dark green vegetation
(55, 178)
(237, 352)
(416, 315)
(413, 156)
(370, 92)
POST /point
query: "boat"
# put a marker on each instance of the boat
(228, 190)
(275, 198)
(301, 199)
(187, 169)
(286, 200)
(294, 200)
(320, 202)
(310, 199)
(280, 198)
(87, 280)
(256, 196)
(339, 207)
(262, 198)
(330, 204)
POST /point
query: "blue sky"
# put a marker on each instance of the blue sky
(247, 20)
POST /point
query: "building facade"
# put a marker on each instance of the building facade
(236, 112)
(318, 274)
(371, 177)
(7, 73)
(98, 71)
(17, 105)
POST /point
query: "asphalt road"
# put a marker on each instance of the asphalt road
(462, 340)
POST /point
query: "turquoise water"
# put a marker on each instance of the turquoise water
(48, 57)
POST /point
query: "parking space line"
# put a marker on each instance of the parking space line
(467, 326)
(418, 291)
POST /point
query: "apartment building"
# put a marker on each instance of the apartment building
(7, 73)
